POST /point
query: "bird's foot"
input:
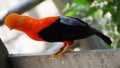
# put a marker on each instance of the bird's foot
(63, 50)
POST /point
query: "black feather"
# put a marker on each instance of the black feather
(68, 28)
(102, 36)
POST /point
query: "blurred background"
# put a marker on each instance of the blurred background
(101, 14)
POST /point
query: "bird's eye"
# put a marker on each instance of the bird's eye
(21, 21)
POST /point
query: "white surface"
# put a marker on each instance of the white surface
(18, 42)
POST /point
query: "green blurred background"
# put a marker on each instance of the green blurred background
(101, 14)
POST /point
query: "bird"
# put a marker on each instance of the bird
(64, 29)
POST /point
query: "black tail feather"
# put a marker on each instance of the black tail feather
(103, 37)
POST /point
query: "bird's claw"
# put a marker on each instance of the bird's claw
(57, 55)
(61, 52)
(54, 55)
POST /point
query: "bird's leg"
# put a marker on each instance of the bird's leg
(56, 53)
(64, 49)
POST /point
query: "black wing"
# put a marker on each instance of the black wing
(67, 29)
(73, 21)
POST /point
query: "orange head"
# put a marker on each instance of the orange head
(18, 22)
(13, 20)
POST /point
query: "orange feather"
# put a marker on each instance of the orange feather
(29, 25)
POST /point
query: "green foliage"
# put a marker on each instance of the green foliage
(118, 28)
(96, 10)
(69, 8)
(83, 2)
(91, 11)
(99, 1)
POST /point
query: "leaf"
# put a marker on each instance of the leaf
(99, 1)
(110, 1)
(91, 11)
(97, 14)
(104, 12)
(81, 2)
(118, 28)
(116, 18)
(66, 7)
(73, 12)
(73, 5)
(108, 8)
(70, 13)
(90, 1)
(118, 44)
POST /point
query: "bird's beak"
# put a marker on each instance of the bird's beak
(11, 28)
